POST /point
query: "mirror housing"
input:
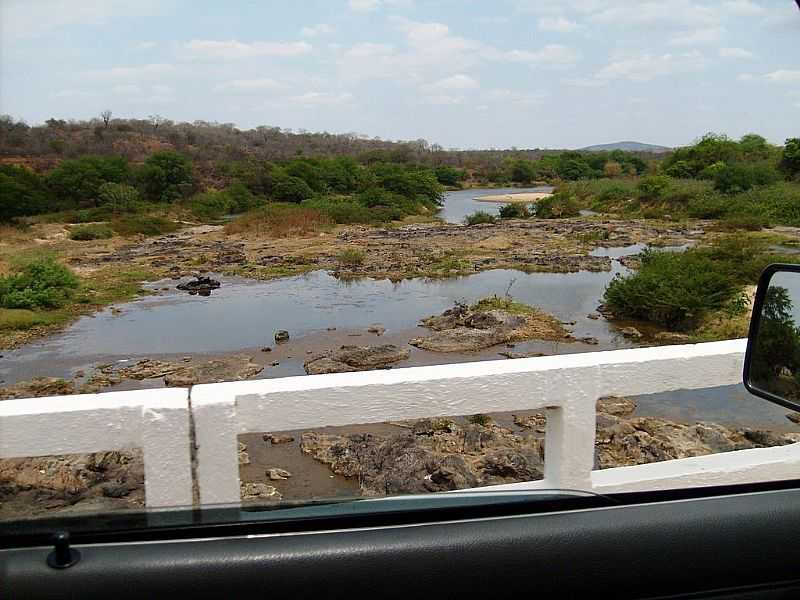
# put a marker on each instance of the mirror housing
(772, 360)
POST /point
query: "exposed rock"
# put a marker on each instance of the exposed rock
(593, 316)
(794, 417)
(672, 337)
(445, 460)
(33, 486)
(251, 491)
(276, 474)
(37, 388)
(522, 354)
(463, 329)
(356, 358)
(244, 457)
(201, 285)
(266, 349)
(536, 421)
(275, 438)
(631, 332)
(592, 341)
(376, 329)
(616, 406)
(281, 336)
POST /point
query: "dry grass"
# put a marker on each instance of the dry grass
(280, 221)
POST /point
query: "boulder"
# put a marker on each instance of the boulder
(356, 358)
(631, 332)
(281, 336)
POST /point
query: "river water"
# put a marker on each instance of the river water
(244, 314)
(461, 203)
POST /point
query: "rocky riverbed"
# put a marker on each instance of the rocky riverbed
(422, 456)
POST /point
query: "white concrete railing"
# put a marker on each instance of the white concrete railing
(157, 421)
(566, 386)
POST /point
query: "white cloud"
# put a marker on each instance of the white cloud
(127, 89)
(552, 55)
(648, 67)
(783, 76)
(73, 94)
(248, 85)
(150, 71)
(697, 36)
(655, 14)
(585, 82)
(28, 19)
(735, 53)
(321, 98)
(234, 49)
(370, 5)
(557, 24)
(315, 30)
(454, 82)
(745, 77)
(743, 8)
(507, 96)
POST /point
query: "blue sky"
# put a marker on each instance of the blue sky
(468, 74)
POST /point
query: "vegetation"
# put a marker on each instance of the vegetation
(479, 217)
(143, 225)
(37, 284)
(94, 231)
(351, 257)
(775, 365)
(677, 290)
(515, 210)
(505, 303)
(280, 220)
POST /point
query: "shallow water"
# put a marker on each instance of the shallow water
(460, 203)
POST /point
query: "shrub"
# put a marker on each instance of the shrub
(732, 179)
(22, 193)
(351, 257)
(291, 189)
(144, 225)
(118, 197)
(742, 222)
(449, 175)
(653, 186)
(41, 283)
(91, 232)
(210, 205)
(515, 210)
(480, 419)
(479, 217)
(557, 206)
(280, 220)
(165, 176)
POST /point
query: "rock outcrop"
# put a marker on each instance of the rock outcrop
(355, 358)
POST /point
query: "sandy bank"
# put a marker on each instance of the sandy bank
(521, 197)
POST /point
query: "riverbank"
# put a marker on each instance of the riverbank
(521, 197)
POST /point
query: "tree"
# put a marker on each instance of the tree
(522, 171)
(291, 189)
(790, 160)
(77, 182)
(777, 346)
(119, 197)
(165, 176)
(106, 116)
(155, 121)
(612, 169)
(22, 193)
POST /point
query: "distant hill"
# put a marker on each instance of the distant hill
(628, 146)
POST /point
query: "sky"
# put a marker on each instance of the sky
(461, 73)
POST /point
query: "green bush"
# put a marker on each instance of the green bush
(732, 179)
(84, 233)
(559, 205)
(515, 210)
(143, 225)
(165, 176)
(291, 189)
(479, 217)
(653, 186)
(118, 197)
(41, 283)
(22, 193)
(77, 182)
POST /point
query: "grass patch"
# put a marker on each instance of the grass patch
(280, 220)
(506, 304)
(148, 225)
(479, 217)
(94, 231)
(20, 319)
(41, 283)
(351, 257)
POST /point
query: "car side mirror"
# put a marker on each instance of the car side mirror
(772, 362)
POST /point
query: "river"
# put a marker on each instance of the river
(243, 315)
